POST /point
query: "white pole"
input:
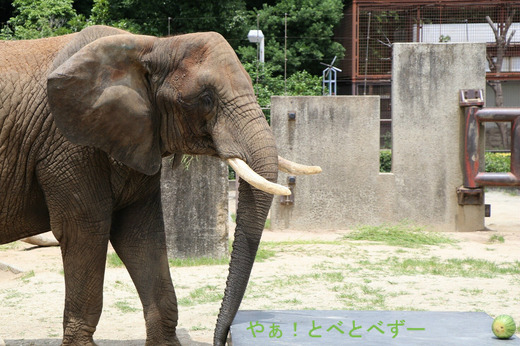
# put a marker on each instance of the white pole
(262, 59)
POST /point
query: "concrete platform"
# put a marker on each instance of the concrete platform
(365, 328)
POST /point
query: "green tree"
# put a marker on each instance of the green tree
(267, 83)
(310, 34)
(155, 17)
(42, 18)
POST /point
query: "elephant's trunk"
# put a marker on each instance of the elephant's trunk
(253, 207)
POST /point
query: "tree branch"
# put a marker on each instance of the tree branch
(509, 21)
(492, 25)
(510, 38)
(491, 63)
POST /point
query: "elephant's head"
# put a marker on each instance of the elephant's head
(140, 98)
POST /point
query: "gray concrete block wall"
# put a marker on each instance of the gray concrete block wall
(195, 208)
(342, 135)
(428, 126)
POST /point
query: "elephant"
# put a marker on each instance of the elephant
(85, 120)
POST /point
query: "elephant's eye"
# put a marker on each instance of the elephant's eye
(206, 102)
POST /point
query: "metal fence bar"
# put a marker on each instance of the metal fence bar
(475, 116)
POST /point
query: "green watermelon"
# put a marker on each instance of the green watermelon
(503, 327)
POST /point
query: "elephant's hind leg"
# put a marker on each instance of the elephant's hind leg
(138, 238)
(84, 264)
(84, 248)
(80, 216)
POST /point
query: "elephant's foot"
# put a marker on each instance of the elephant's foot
(79, 342)
(173, 341)
(78, 334)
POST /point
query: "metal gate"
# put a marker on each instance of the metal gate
(475, 176)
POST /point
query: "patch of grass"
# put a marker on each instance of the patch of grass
(496, 238)
(206, 294)
(362, 297)
(25, 277)
(454, 267)
(289, 280)
(264, 254)
(120, 285)
(200, 261)
(113, 260)
(285, 243)
(407, 308)
(296, 280)
(12, 294)
(10, 246)
(125, 307)
(333, 276)
(402, 234)
(472, 291)
(294, 301)
(198, 328)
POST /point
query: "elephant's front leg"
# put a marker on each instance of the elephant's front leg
(139, 240)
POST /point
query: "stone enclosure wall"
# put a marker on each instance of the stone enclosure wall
(195, 208)
(341, 134)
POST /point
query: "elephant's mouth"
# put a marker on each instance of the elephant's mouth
(256, 180)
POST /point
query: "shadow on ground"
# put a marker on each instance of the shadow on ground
(183, 335)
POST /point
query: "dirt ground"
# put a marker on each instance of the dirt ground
(31, 301)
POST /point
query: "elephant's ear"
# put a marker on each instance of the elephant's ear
(98, 97)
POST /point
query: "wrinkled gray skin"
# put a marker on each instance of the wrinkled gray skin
(85, 119)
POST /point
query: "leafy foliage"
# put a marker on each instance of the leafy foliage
(310, 31)
(385, 161)
(498, 162)
(42, 18)
(267, 84)
(154, 17)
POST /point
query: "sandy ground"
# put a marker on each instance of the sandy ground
(298, 276)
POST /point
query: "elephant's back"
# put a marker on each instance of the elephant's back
(24, 66)
(24, 124)
(83, 38)
(27, 56)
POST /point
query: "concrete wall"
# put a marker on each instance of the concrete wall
(195, 208)
(342, 135)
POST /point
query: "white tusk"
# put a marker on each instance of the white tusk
(290, 167)
(253, 178)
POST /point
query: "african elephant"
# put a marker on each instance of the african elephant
(85, 120)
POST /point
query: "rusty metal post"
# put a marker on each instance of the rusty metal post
(471, 147)
(475, 116)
